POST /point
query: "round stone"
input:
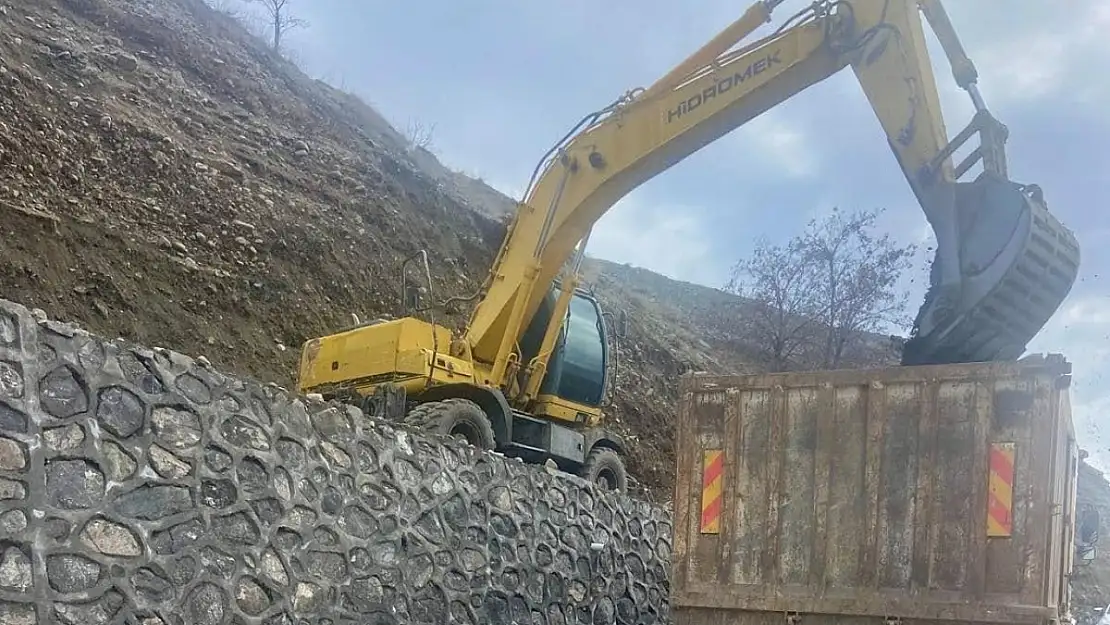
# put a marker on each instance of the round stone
(12, 522)
(65, 438)
(13, 455)
(120, 411)
(11, 379)
(71, 572)
(178, 429)
(15, 569)
(111, 538)
(205, 605)
(62, 393)
(73, 484)
(251, 596)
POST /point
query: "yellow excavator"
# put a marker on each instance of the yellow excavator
(529, 374)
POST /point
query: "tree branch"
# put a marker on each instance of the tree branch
(818, 297)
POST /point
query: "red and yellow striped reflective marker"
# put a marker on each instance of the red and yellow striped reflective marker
(712, 474)
(1000, 492)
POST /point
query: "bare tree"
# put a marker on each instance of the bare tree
(815, 299)
(858, 276)
(419, 136)
(281, 20)
(252, 22)
(783, 290)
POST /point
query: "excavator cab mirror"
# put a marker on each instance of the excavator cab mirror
(411, 297)
(1086, 534)
(412, 293)
(622, 324)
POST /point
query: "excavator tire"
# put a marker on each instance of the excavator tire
(460, 418)
(605, 469)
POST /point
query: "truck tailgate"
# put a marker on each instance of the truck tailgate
(934, 493)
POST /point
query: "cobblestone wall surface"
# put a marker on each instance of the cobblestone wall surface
(140, 486)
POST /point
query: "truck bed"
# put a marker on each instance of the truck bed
(940, 493)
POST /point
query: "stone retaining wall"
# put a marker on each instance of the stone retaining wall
(140, 486)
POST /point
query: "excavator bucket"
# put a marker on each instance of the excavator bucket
(1018, 263)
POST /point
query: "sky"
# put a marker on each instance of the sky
(502, 80)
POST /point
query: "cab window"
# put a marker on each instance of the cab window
(582, 378)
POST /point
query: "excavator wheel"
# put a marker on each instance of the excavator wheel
(1018, 264)
(605, 469)
(460, 418)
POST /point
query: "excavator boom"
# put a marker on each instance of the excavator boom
(1003, 263)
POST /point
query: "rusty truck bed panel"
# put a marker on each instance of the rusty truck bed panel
(870, 493)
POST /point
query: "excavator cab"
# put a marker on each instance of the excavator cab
(577, 368)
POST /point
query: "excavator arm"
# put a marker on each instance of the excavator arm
(1003, 263)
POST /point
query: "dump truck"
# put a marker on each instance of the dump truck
(927, 493)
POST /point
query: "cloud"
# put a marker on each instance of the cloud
(1045, 52)
(1088, 311)
(781, 143)
(667, 238)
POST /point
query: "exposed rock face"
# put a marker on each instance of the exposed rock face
(140, 485)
